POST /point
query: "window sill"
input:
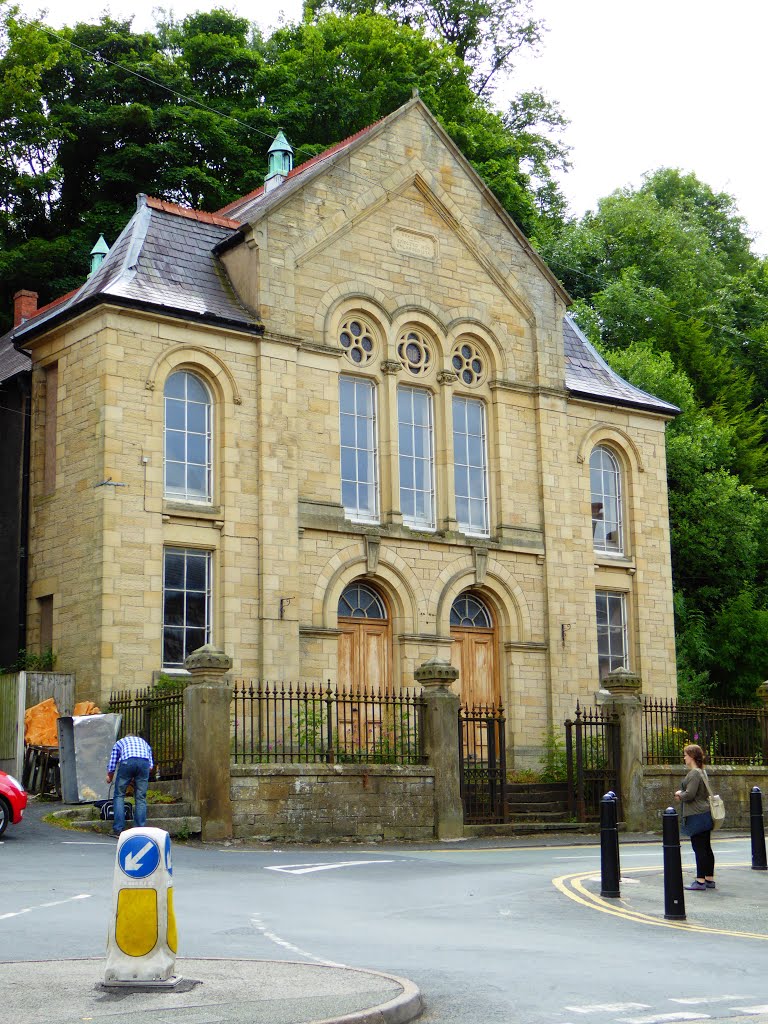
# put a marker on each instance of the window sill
(178, 508)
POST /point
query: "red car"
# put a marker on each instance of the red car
(13, 800)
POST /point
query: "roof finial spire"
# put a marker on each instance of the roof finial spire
(280, 162)
(98, 252)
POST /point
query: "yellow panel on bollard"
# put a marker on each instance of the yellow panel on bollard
(142, 940)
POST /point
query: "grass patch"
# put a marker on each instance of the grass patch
(154, 796)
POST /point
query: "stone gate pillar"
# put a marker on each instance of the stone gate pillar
(206, 774)
(624, 698)
(441, 744)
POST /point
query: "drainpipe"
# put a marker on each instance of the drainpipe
(25, 382)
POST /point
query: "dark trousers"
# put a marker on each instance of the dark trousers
(135, 770)
(702, 851)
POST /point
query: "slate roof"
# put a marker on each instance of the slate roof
(12, 362)
(163, 260)
(587, 375)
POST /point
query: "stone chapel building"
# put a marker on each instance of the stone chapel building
(340, 427)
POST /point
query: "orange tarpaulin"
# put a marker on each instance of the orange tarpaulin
(40, 722)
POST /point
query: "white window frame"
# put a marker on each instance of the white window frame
(204, 497)
(356, 511)
(466, 469)
(410, 463)
(606, 501)
(612, 637)
(184, 590)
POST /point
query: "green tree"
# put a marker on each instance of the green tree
(94, 114)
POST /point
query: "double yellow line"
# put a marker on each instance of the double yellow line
(573, 887)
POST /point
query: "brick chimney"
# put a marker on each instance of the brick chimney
(24, 306)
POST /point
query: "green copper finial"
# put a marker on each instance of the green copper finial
(280, 161)
(98, 252)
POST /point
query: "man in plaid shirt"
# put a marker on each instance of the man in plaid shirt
(131, 759)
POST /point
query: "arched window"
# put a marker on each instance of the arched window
(470, 466)
(359, 449)
(605, 483)
(470, 612)
(188, 462)
(361, 602)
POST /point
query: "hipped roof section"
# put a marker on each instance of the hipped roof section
(163, 260)
(166, 260)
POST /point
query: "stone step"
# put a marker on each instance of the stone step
(537, 815)
(182, 827)
(539, 789)
(521, 797)
(175, 818)
(553, 808)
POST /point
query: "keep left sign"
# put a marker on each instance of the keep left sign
(138, 856)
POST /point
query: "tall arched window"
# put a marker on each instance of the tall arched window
(188, 459)
(605, 483)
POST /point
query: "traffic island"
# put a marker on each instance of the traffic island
(235, 991)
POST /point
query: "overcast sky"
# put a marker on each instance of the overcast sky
(644, 83)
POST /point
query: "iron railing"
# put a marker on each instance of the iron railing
(307, 723)
(593, 751)
(727, 733)
(159, 718)
(482, 759)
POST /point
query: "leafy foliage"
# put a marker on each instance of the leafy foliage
(93, 114)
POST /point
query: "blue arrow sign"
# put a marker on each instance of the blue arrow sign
(168, 865)
(139, 856)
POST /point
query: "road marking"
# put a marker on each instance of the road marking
(259, 925)
(41, 906)
(572, 886)
(665, 1018)
(305, 869)
(74, 842)
(608, 1007)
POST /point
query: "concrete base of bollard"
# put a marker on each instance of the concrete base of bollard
(169, 984)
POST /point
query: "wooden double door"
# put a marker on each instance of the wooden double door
(365, 644)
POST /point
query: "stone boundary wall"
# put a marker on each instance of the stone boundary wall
(319, 802)
(734, 784)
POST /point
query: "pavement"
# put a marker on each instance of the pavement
(737, 906)
(220, 991)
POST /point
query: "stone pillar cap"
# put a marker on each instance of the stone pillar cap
(436, 672)
(208, 660)
(622, 680)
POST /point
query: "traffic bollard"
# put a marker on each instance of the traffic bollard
(141, 943)
(674, 898)
(759, 862)
(609, 848)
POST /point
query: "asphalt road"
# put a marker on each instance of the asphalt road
(479, 927)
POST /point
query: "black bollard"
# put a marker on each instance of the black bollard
(759, 862)
(609, 848)
(674, 899)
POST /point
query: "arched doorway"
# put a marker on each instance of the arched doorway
(364, 638)
(473, 651)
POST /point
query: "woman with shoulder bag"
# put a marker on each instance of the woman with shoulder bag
(696, 820)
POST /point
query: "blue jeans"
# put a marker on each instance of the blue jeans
(136, 770)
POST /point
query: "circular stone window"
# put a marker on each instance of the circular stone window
(468, 363)
(415, 353)
(356, 339)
